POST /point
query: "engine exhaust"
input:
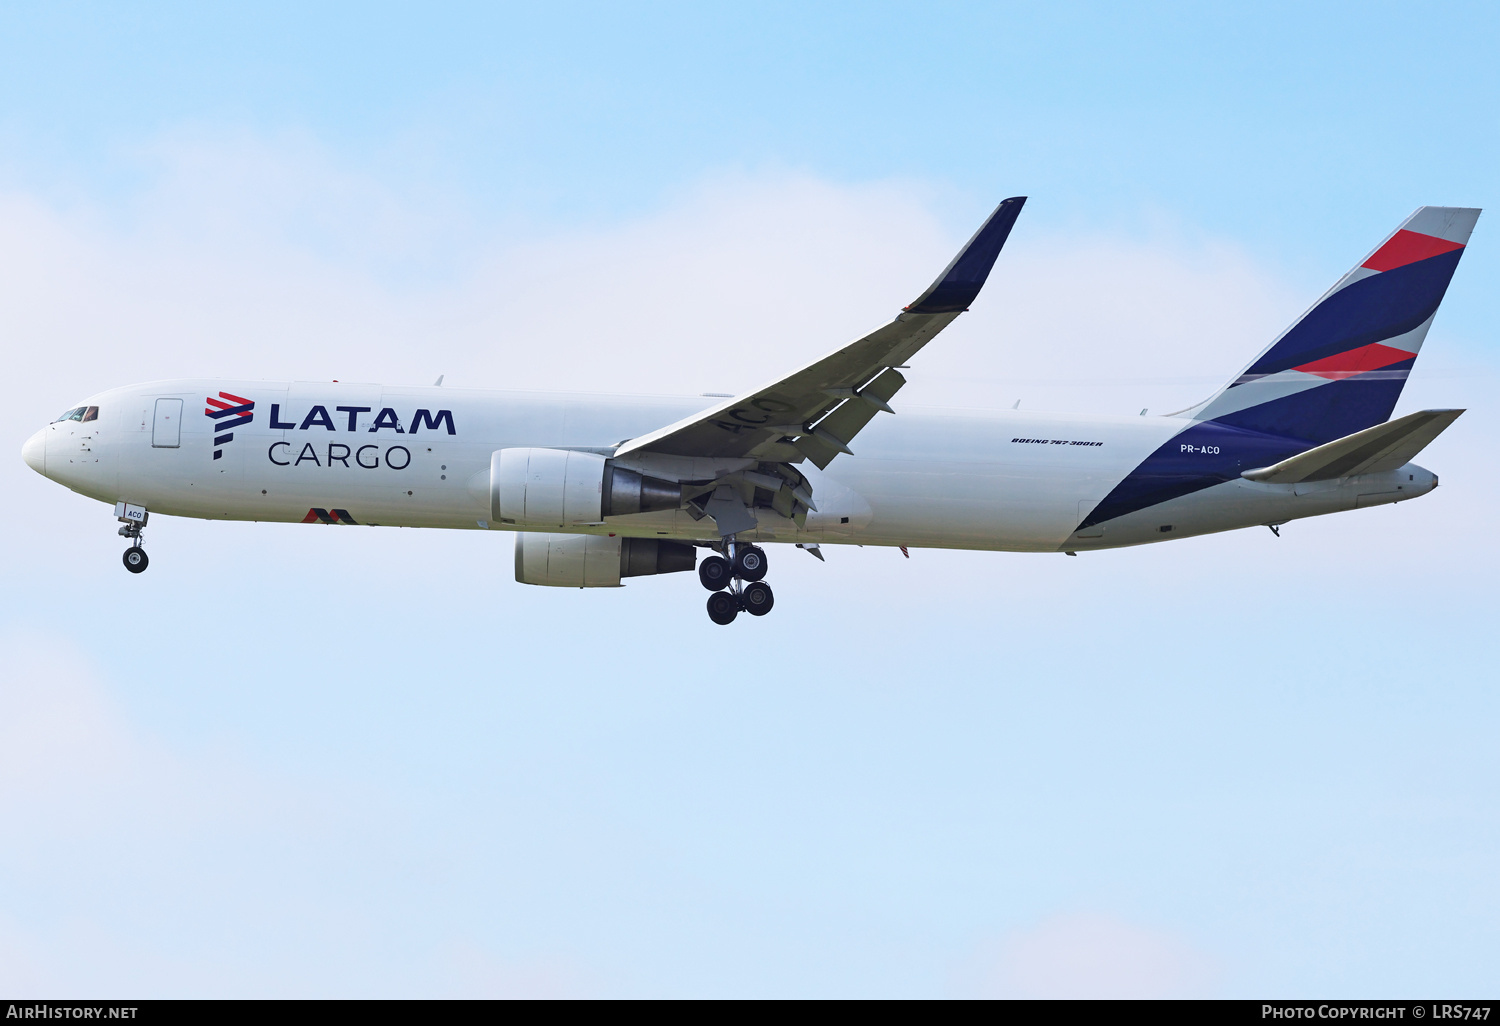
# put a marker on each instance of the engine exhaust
(626, 491)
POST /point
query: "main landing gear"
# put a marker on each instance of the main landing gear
(736, 582)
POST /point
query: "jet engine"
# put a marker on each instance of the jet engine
(592, 561)
(567, 487)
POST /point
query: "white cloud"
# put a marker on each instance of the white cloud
(465, 969)
(74, 780)
(265, 258)
(1092, 956)
(60, 737)
(1110, 324)
(133, 867)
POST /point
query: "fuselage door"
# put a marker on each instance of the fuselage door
(166, 428)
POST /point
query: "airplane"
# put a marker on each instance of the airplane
(598, 489)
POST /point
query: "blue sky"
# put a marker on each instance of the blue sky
(299, 761)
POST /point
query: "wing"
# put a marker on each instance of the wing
(815, 412)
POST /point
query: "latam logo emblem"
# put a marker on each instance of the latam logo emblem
(324, 516)
(240, 410)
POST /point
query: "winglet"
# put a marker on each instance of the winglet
(961, 280)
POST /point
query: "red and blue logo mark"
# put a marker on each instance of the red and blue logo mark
(1407, 247)
(1401, 250)
(230, 411)
(326, 516)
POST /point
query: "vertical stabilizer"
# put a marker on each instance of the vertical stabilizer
(1341, 367)
(1337, 371)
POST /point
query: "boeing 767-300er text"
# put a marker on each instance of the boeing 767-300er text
(598, 489)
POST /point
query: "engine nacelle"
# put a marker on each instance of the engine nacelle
(592, 561)
(567, 488)
(546, 487)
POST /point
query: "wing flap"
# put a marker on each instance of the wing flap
(831, 435)
(1373, 450)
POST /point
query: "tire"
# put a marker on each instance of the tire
(723, 607)
(135, 559)
(715, 573)
(758, 598)
(750, 563)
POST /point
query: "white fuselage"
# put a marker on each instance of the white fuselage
(1007, 479)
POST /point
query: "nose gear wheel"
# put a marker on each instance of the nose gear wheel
(135, 558)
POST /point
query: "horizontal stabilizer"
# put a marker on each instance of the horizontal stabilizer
(1373, 450)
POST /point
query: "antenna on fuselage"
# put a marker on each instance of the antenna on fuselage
(438, 382)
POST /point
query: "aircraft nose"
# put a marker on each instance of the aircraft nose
(34, 452)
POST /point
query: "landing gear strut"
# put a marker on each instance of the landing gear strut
(736, 582)
(134, 519)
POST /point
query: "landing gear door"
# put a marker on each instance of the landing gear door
(166, 426)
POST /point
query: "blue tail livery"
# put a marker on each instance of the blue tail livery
(1337, 370)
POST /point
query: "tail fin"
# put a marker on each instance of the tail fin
(1340, 368)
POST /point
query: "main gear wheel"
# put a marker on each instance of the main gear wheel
(749, 562)
(715, 573)
(757, 598)
(723, 607)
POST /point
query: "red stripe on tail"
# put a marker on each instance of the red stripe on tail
(1401, 249)
(1355, 361)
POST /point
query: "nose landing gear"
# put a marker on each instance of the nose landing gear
(134, 519)
(736, 582)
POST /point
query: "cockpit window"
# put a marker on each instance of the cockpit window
(92, 413)
(74, 414)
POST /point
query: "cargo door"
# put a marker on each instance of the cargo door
(166, 427)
